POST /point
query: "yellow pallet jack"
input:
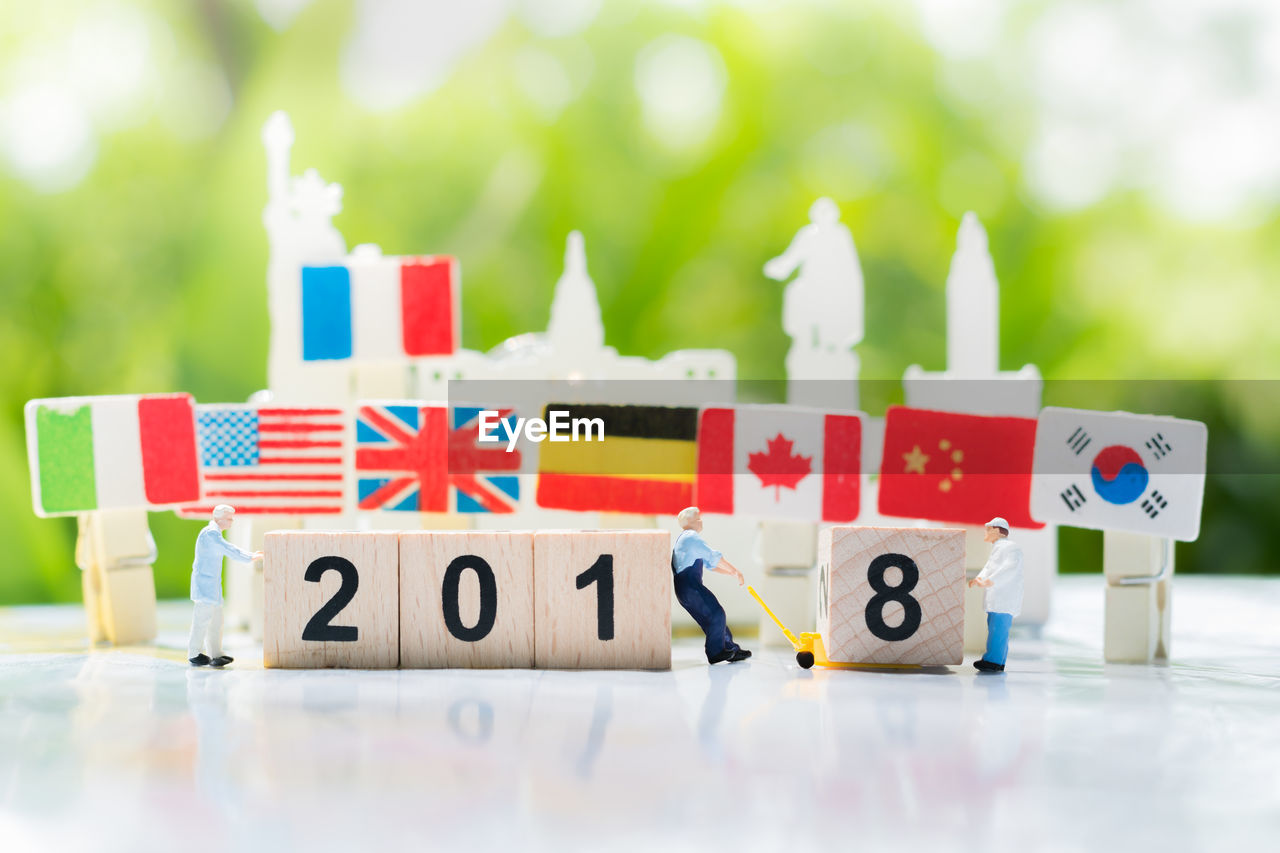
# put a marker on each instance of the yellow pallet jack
(809, 647)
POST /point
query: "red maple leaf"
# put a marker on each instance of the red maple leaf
(779, 467)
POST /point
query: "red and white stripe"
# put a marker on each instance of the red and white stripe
(302, 454)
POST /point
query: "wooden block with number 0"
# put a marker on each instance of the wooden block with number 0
(466, 599)
(331, 599)
(602, 599)
(892, 595)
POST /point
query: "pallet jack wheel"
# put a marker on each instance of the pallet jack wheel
(805, 659)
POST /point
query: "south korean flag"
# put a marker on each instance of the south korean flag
(1119, 471)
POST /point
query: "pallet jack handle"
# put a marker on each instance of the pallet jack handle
(776, 621)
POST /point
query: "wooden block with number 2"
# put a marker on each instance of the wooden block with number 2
(602, 599)
(332, 600)
(892, 595)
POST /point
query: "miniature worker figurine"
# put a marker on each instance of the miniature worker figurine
(689, 557)
(1002, 578)
(205, 646)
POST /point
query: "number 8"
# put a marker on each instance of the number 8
(900, 593)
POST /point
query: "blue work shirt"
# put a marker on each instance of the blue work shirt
(206, 571)
(689, 549)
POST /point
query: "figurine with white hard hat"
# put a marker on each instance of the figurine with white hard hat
(205, 645)
(1002, 578)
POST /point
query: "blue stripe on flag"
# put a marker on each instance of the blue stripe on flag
(408, 415)
(326, 313)
(368, 485)
(366, 434)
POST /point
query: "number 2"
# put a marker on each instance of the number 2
(318, 628)
(601, 573)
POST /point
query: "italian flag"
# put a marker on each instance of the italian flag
(127, 452)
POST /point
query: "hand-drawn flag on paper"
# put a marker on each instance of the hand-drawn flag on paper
(964, 469)
(271, 460)
(646, 463)
(476, 479)
(779, 462)
(402, 457)
(380, 309)
(126, 452)
(417, 457)
(1118, 471)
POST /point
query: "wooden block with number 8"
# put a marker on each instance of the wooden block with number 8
(602, 599)
(331, 599)
(466, 598)
(892, 595)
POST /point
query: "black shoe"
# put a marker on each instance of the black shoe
(718, 657)
(223, 660)
(740, 654)
(984, 665)
(199, 660)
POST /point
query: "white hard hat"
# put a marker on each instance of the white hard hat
(998, 522)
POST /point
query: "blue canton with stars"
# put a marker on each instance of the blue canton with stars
(228, 438)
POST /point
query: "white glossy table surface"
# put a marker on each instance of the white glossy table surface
(132, 750)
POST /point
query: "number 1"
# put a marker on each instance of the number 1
(601, 572)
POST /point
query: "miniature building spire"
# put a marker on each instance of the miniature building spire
(973, 305)
(575, 310)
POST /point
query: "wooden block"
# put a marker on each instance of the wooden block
(602, 599)
(466, 599)
(891, 595)
(128, 605)
(331, 599)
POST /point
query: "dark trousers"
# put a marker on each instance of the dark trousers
(705, 610)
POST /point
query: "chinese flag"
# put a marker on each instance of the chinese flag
(963, 469)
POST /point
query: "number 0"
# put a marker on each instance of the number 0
(488, 598)
(601, 574)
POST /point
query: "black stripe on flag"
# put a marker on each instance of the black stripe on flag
(678, 423)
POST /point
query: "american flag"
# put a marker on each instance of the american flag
(412, 457)
(277, 460)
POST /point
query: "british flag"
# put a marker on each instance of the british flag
(412, 457)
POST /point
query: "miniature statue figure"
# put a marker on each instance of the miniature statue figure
(822, 307)
(1002, 578)
(690, 555)
(205, 646)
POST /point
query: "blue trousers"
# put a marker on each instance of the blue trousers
(705, 610)
(998, 637)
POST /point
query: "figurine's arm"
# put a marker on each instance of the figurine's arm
(724, 567)
(998, 562)
(782, 266)
(237, 553)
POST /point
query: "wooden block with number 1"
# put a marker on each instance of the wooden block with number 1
(602, 599)
(466, 599)
(892, 595)
(331, 599)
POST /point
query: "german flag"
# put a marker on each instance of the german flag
(646, 463)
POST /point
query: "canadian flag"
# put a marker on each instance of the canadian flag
(779, 462)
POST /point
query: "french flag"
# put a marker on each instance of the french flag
(353, 311)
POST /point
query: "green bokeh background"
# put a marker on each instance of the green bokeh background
(149, 275)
